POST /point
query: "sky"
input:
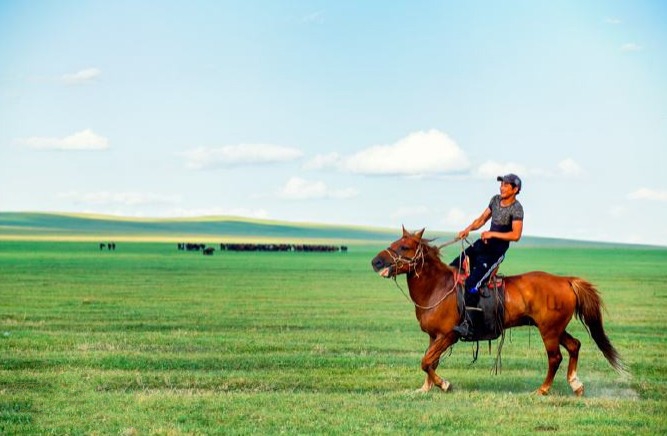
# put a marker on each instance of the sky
(369, 113)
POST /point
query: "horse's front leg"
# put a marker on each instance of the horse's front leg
(428, 384)
(431, 360)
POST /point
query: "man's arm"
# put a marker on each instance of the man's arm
(479, 222)
(512, 236)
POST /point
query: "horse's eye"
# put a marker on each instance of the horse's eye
(404, 248)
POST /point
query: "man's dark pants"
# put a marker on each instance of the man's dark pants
(482, 260)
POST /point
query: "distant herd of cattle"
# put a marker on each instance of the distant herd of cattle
(262, 247)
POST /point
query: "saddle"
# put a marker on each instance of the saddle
(487, 318)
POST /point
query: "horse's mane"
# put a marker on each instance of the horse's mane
(429, 249)
(432, 253)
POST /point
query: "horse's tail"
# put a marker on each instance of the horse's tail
(589, 311)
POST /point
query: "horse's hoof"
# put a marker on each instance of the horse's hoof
(541, 391)
(577, 386)
(426, 387)
(446, 386)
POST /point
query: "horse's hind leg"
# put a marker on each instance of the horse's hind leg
(552, 345)
(572, 346)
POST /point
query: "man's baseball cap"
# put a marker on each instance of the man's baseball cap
(512, 179)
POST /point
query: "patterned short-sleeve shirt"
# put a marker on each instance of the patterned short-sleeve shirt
(501, 221)
(502, 216)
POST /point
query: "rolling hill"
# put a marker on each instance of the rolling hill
(20, 225)
(61, 226)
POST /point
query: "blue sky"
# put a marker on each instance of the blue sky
(349, 112)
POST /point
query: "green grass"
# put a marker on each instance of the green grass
(150, 340)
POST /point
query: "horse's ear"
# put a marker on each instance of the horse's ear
(405, 232)
(420, 233)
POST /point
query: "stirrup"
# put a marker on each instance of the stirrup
(463, 330)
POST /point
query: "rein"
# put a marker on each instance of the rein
(447, 294)
(448, 243)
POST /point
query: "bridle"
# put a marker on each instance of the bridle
(400, 260)
(412, 262)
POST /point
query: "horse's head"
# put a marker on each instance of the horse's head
(401, 256)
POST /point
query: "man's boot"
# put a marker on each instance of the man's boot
(465, 329)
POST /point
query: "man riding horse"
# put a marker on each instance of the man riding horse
(486, 254)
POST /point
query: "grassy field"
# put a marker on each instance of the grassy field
(151, 340)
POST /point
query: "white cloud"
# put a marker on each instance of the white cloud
(83, 140)
(491, 169)
(618, 211)
(612, 20)
(314, 17)
(81, 77)
(297, 188)
(322, 161)
(104, 198)
(631, 47)
(409, 211)
(241, 154)
(217, 211)
(565, 168)
(648, 194)
(570, 168)
(456, 217)
(420, 153)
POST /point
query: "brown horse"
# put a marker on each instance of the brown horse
(535, 298)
